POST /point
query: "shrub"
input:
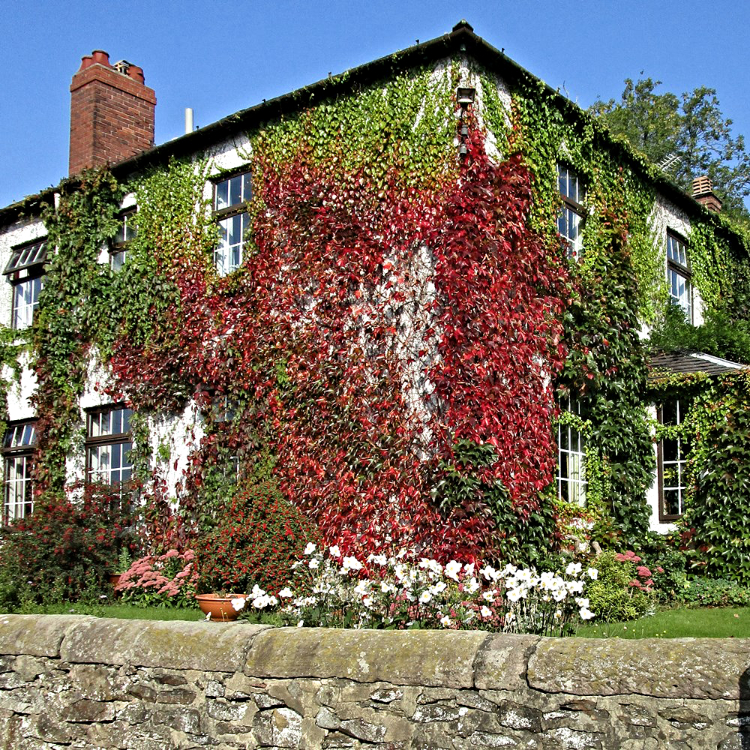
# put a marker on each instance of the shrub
(64, 549)
(623, 589)
(161, 580)
(258, 537)
(712, 592)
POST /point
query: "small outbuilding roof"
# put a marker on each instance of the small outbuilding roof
(689, 363)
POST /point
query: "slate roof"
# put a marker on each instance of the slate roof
(687, 363)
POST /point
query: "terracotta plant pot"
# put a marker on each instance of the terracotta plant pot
(219, 607)
(114, 578)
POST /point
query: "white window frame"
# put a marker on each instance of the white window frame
(571, 458)
(231, 196)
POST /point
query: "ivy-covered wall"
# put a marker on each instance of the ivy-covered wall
(405, 320)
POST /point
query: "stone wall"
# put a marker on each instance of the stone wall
(82, 682)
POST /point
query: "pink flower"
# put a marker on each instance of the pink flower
(172, 553)
(643, 571)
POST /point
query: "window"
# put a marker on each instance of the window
(571, 480)
(678, 275)
(125, 233)
(18, 452)
(25, 271)
(672, 463)
(108, 445)
(571, 214)
(230, 201)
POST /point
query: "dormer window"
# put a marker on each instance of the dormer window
(678, 275)
(571, 214)
(231, 196)
(25, 272)
(125, 234)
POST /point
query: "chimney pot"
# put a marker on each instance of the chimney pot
(86, 61)
(101, 57)
(703, 192)
(136, 73)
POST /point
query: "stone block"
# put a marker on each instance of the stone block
(200, 646)
(501, 662)
(663, 668)
(37, 635)
(411, 657)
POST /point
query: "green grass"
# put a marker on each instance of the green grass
(721, 622)
(118, 611)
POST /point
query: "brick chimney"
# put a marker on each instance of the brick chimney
(703, 192)
(111, 112)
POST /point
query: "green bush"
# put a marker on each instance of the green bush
(622, 590)
(712, 592)
(258, 537)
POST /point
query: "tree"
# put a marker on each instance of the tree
(687, 136)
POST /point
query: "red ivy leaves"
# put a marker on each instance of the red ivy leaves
(372, 327)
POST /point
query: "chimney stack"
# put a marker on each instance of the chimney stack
(111, 112)
(703, 192)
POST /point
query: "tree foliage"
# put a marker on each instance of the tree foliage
(687, 135)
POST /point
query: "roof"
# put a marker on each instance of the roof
(689, 363)
(461, 40)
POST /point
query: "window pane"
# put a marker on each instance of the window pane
(222, 195)
(235, 191)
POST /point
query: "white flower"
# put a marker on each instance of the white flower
(593, 573)
(387, 588)
(472, 585)
(286, 593)
(257, 591)
(586, 613)
(558, 614)
(513, 595)
(547, 580)
(489, 573)
(452, 569)
(508, 570)
(510, 617)
(469, 569)
(379, 559)
(582, 603)
(314, 563)
(485, 612)
(351, 563)
(367, 601)
(489, 596)
(362, 588)
(238, 604)
(559, 594)
(309, 549)
(300, 623)
(573, 569)
(574, 587)
(446, 621)
(439, 587)
(334, 551)
(425, 597)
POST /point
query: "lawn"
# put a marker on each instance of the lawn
(720, 622)
(118, 611)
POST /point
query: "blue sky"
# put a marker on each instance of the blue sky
(219, 56)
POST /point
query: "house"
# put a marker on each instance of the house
(179, 317)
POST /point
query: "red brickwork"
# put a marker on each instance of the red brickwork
(111, 115)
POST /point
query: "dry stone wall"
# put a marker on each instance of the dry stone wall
(82, 682)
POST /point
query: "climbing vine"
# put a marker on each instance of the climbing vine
(392, 349)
